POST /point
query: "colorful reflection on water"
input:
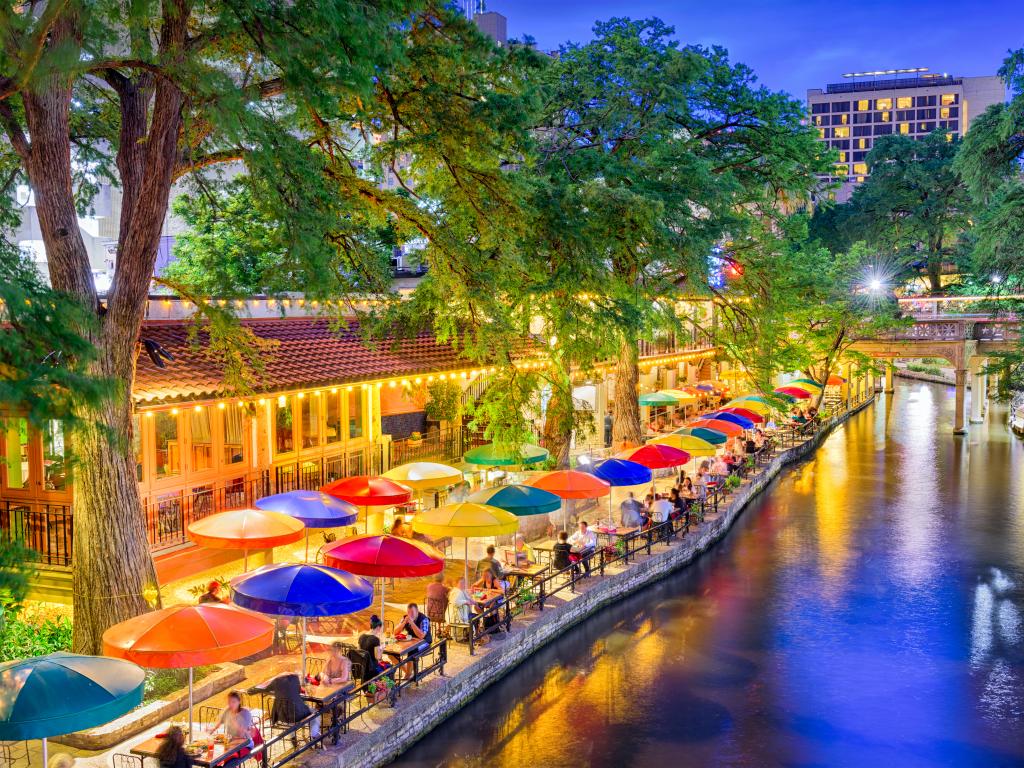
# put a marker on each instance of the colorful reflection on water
(865, 612)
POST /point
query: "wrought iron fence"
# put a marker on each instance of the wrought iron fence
(46, 529)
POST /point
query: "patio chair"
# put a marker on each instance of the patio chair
(126, 761)
(315, 665)
(208, 717)
(458, 630)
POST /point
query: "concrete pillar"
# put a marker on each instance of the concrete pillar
(961, 392)
(890, 375)
(979, 395)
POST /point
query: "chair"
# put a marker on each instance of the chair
(208, 717)
(12, 753)
(361, 664)
(315, 665)
(127, 761)
(456, 626)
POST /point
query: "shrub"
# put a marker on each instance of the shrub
(34, 632)
(161, 682)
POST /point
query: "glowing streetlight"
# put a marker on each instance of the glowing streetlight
(875, 285)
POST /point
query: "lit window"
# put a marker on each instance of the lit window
(355, 413)
(817, 120)
(949, 137)
(904, 128)
(17, 453)
(862, 143)
(904, 102)
(310, 410)
(821, 133)
(860, 179)
(884, 117)
(948, 98)
(862, 105)
(841, 170)
(842, 132)
(922, 127)
(333, 418)
(54, 467)
(860, 168)
(883, 104)
(168, 454)
(944, 113)
(842, 157)
(284, 426)
(844, 119)
(202, 440)
(234, 436)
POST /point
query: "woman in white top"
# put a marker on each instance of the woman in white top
(460, 602)
(236, 719)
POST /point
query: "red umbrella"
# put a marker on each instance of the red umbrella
(246, 529)
(795, 392)
(835, 381)
(719, 425)
(368, 491)
(746, 413)
(383, 555)
(189, 636)
(655, 456)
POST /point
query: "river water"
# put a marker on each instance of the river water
(867, 611)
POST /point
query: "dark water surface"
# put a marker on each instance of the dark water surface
(866, 611)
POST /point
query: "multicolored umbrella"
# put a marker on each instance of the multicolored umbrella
(692, 445)
(719, 425)
(302, 590)
(735, 418)
(755, 405)
(657, 398)
(425, 475)
(62, 693)
(467, 520)
(747, 413)
(369, 491)
(500, 455)
(188, 636)
(313, 508)
(246, 529)
(794, 392)
(808, 382)
(705, 388)
(655, 456)
(382, 555)
(712, 436)
(620, 472)
(683, 397)
(520, 500)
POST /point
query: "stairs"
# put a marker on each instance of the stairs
(51, 584)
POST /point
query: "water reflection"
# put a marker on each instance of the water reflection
(867, 611)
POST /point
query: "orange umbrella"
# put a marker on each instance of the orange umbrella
(246, 529)
(719, 425)
(569, 484)
(188, 636)
(835, 380)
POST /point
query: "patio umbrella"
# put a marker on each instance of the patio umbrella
(746, 413)
(684, 398)
(425, 475)
(712, 436)
(621, 472)
(808, 382)
(302, 590)
(657, 398)
(467, 520)
(757, 406)
(705, 388)
(369, 491)
(520, 500)
(188, 636)
(313, 508)
(62, 693)
(570, 484)
(717, 386)
(811, 389)
(836, 381)
(382, 555)
(735, 418)
(719, 425)
(655, 456)
(793, 392)
(694, 446)
(505, 455)
(246, 529)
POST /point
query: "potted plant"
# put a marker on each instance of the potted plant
(415, 439)
(732, 482)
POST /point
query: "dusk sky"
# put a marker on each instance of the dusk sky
(797, 44)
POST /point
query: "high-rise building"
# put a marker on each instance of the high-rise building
(851, 115)
(492, 24)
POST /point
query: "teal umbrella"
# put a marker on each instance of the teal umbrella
(712, 436)
(63, 693)
(520, 500)
(505, 455)
(657, 398)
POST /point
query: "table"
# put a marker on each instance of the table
(221, 752)
(617, 532)
(546, 547)
(531, 571)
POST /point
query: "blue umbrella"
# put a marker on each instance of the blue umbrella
(520, 500)
(734, 418)
(618, 472)
(712, 436)
(303, 590)
(63, 693)
(315, 509)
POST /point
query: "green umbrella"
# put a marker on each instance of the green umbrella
(63, 693)
(657, 398)
(505, 455)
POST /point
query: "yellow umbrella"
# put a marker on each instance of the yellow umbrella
(752, 405)
(684, 398)
(466, 519)
(810, 389)
(425, 475)
(692, 445)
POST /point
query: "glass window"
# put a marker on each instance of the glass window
(944, 113)
(202, 439)
(234, 435)
(168, 449)
(842, 157)
(842, 132)
(883, 104)
(55, 470)
(284, 427)
(884, 117)
(863, 105)
(819, 108)
(821, 133)
(904, 102)
(17, 453)
(948, 98)
(862, 143)
(310, 408)
(840, 106)
(137, 445)
(904, 128)
(883, 130)
(333, 417)
(355, 412)
(860, 168)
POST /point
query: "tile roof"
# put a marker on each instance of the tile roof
(309, 353)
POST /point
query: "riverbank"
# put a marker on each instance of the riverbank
(381, 735)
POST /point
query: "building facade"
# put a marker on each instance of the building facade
(850, 116)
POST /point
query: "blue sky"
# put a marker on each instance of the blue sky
(796, 44)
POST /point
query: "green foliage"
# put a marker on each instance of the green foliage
(16, 568)
(162, 682)
(33, 633)
(444, 401)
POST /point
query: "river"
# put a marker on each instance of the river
(867, 610)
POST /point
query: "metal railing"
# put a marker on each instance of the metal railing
(46, 529)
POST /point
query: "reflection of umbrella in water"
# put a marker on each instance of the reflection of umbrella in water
(313, 508)
(62, 693)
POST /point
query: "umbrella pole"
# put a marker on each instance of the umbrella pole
(45, 753)
(465, 543)
(303, 647)
(190, 704)
(307, 545)
(382, 598)
(245, 561)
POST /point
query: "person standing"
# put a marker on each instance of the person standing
(490, 563)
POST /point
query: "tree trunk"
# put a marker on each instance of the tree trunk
(558, 422)
(935, 274)
(627, 429)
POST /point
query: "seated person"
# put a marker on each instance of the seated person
(631, 512)
(584, 544)
(460, 602)
(675, 498)
(687, 491)
(523, 551)
(490, 563)
(212, 594)
(401, 528)
(415, 624)
(560, 552)
(370, 645)
(487, 581)
(338, 669)
(661, 510)
(437, 599)
(289, 706)
(236, 719)
(170, 754)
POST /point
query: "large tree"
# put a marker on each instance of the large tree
(297, 95)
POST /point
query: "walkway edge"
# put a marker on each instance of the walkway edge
(416, 719)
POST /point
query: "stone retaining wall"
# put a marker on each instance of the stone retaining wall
(416, 718)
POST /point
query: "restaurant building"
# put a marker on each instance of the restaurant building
(328, 404)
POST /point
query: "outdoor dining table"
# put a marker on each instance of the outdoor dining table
(531, 571)
(221, 753)
(545, 547)
(614, 533)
